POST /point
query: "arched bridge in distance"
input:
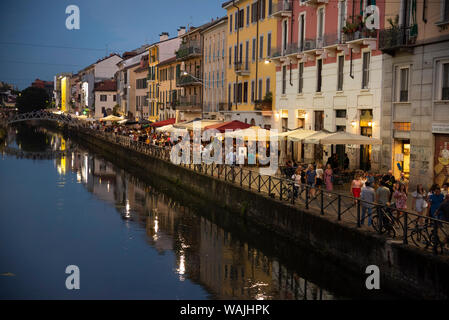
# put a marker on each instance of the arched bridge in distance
(40, 115)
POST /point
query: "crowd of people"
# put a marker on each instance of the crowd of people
(371, 189)
(374, 189)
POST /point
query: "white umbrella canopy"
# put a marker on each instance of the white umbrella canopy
(297, 134)
(316, 137)
(253, 133)
(111, 118)
(166, 128)
(343, 137)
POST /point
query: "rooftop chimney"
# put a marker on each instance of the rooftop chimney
(181, 31)
(163, 36)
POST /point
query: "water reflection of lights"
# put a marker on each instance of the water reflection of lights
(156, 229)
(182, 267)
(127, 210)
(78, 177)
(108, 186)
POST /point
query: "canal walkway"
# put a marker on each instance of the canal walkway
(406, 227)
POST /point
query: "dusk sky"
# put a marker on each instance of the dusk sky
(35, 43)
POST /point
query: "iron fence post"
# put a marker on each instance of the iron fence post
(241, 177)
(358, 213)
(381, 218)
(249, 183)
(339, 207)
(280, 189)
(307, 197)
(293, 193)
(258, 187)
(405, 227)
(322, 202)
(269, 185)
(435, 236)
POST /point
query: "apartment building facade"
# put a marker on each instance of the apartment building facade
(160, 51)
(124, 76)
(190, 55)
(103, 69)
(415, 114)
(328, 76)
(139, 88)
(214, 61)
(251, 34)
(105, 98)
(169, 74)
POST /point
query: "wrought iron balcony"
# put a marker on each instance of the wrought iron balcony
(188, 50)
(396, 38)
(188, 80)
(188, 103)
(241, 68)
(263, 105)
(282, 9)
(363, 33)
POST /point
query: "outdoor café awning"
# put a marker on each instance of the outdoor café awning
(229, 125)
(253, 133)
(166, 128)
(198, 123)
(343, 137)
(163, 123)
(111, 118)
(297, 135)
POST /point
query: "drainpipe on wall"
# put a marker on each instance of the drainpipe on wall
(238, 55)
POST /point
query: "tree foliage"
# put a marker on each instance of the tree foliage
(32, 99)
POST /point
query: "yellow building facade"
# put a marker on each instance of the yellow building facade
(169, 74)
(153, 83)
(251, 37)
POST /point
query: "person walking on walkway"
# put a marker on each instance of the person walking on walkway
(356, 187)
(319, 175)
(329, 178)
(311, 179)
(367, 196)
(400, 197)
(383, 194)
(419, 203)
(435, 199)
(297, 181)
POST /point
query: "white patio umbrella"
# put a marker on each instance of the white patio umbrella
(164, 128)
(297, 134)
(343, 137)
(316, 137)
(253, 133)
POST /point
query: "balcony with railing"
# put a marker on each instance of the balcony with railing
(188, 50)
(313, 2)
(282, 9)
(241, 68)
(397, 38)
(186, 103)
(188, 80)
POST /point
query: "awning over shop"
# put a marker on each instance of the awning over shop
(254, 133)
(197, 124)
(297, 134)
(163, 123)
(343, 137)
(166, 128)
(229, 125)
(111, 118)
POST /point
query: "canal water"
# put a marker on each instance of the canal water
(62, 204)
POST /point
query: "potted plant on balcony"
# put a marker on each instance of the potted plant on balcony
(266, 103)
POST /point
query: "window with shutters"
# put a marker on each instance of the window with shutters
(300, 77)
(341, 61)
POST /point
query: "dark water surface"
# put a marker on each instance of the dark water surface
(132, 241)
